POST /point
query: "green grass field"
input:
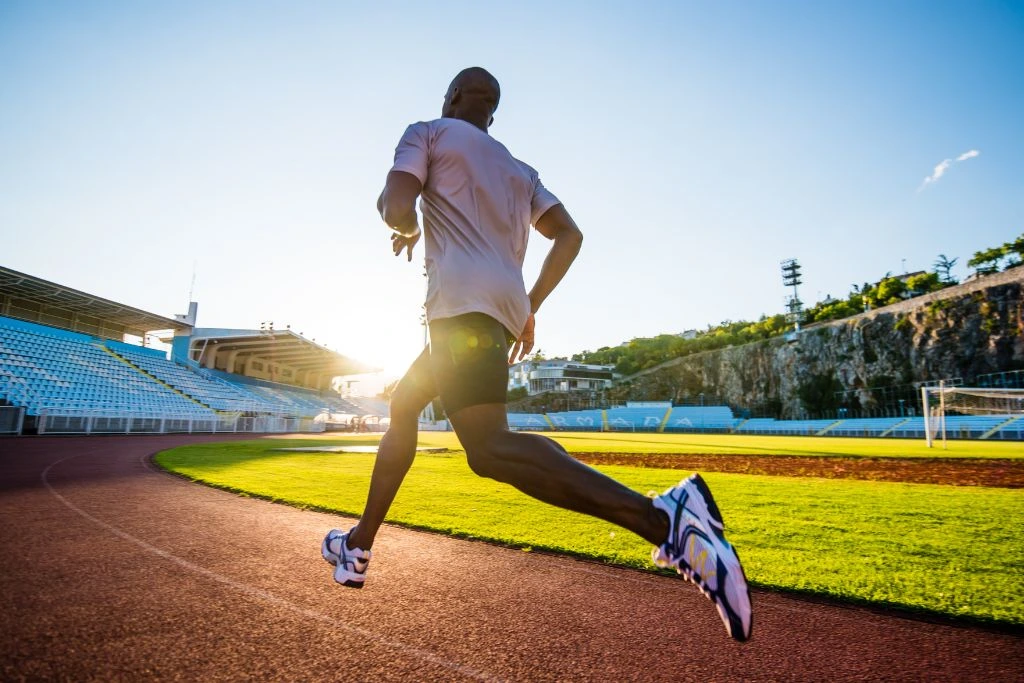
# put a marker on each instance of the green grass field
(624, 442)
(956, 551)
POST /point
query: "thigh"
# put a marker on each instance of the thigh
(417, 386)
(469, 361)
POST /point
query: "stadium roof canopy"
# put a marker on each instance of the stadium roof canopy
(34, 299)
(276, 346)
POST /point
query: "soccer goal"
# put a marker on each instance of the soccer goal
(968, 412)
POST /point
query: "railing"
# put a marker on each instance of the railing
(56, 421)
(11, 419)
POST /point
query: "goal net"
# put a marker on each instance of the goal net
(968, 411)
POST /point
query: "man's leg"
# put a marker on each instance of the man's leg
(396, 451)
(542, 469)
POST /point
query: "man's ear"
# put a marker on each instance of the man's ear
(491, 122)
(456, 95)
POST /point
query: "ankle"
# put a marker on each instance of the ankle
(659, 525)
(354, 541)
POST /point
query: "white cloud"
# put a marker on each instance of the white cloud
(939, 170)
(943, 166)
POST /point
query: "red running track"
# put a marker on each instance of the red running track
(112, 569)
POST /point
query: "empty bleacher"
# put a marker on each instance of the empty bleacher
(788, 427)
(700, 418)
(45, 368)
(290, 399)
(524, 421)
(219, 395)
(578, 420)
(631, 418)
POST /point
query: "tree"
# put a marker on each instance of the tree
(923, 283)
(987, 260)
(516, 394)
(889, 291)
(943, 268)
(1014, 251)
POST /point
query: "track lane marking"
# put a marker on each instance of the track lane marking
(259, 594)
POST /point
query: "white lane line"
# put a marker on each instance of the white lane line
(259, 594)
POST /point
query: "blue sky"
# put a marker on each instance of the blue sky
(696, 144)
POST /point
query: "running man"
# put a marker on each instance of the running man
(478, 203)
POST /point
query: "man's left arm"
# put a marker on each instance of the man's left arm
(558, 226)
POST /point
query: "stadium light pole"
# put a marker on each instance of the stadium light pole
(791, 278)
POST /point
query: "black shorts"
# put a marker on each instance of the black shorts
(466, 363)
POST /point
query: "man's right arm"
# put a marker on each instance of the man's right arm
(397, 203)
(397, 206)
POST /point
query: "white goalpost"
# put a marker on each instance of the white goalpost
(938, 402)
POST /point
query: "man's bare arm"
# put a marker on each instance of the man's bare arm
(397, 206)
(397, 203)
(556, 224)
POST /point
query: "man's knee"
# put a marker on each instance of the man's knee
(488, 456)
(406, 405)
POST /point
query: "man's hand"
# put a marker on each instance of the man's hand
(400, 242)
(524, 344)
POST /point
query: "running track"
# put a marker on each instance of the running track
(113, 570)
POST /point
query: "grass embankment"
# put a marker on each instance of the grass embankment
(950, 550)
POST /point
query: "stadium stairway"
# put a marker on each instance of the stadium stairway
(892, 429)
(150, 376)
(826, 430)
(999, 427)
(664, 420)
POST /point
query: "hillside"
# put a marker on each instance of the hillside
(866, 362)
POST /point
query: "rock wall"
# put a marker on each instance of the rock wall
(865, 364)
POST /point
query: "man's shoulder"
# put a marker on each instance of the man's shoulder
(443, 123)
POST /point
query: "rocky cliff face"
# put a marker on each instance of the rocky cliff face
(867, 364)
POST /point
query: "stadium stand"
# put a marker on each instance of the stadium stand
(790, 427)
(286, 398)
(700, 418)
(966, 427)
(368, 405)
(524, 421)
(578, 420)
(65, 368)
(629, 418)
(867, 426)
(44, 367)
(219, 395)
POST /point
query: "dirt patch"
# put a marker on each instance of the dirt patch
(957, 472)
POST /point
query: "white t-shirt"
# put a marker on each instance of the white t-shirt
(478, 204)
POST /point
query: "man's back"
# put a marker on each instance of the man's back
(478, 203)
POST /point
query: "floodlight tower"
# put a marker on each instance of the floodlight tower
(791, 278)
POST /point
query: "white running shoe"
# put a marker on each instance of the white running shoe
(697, 549)
(349, 563)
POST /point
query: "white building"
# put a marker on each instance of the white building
(559, 375)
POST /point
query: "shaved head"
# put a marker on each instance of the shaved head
(472, 96)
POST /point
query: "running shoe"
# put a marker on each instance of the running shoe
(349, 563)
(696, 548)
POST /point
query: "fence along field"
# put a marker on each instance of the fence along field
(942, 549)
